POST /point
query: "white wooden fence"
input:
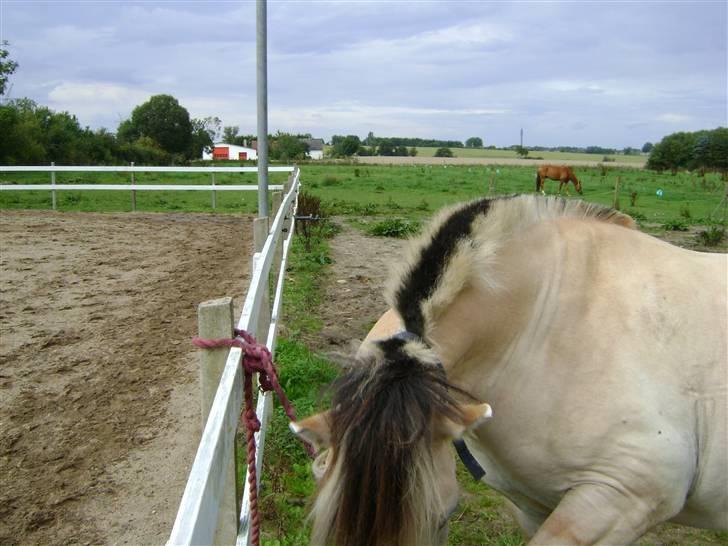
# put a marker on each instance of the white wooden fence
(206, 513)
(132, 186)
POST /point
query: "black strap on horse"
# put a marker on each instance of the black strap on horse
(470, 462)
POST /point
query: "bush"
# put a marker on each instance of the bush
(395, 227)
(712, 236)
(675, 225)
(443, 152)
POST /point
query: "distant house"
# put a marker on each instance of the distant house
(223, 151)
(315, 148)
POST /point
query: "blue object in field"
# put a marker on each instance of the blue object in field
(659, 192)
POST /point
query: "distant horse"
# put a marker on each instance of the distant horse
(602, 351)
(562, 173)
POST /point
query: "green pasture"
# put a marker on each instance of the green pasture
(416, 191)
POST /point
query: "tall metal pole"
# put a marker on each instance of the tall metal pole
(262, 89)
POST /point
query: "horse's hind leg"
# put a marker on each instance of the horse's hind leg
(600, 514)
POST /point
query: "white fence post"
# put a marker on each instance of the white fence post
(214, 194)
(133, 192)
(53, 182)
(260, 235)
(215, 320)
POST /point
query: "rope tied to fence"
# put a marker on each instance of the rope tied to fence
(256, 359)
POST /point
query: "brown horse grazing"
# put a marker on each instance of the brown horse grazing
(562, 173)
(601, 349)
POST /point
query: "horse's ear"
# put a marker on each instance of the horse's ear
(315, 430)
(472, 416)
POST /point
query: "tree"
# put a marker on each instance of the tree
(163, 120)
(443, 152)
(286, 147)
(647, 147)
(204, 134)
(711, 150)
(229, 134)
(522, 151)
(7, 66)
(474, 142)
(345, 146)
(673, 152)
(370, 140)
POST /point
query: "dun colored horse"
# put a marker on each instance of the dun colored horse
(602, 351)
(561, 173)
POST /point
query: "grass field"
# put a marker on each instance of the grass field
(417, 191)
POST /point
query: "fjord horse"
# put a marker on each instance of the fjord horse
(562, 173)
(602, 351)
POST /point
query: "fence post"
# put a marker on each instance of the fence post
(53, 182)
(278, 250)
(215, 320)
(214, 194)
(260, 234)
(133, 192)
(615, 200)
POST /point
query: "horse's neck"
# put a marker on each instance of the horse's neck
(484, 329)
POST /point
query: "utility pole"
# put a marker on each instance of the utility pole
(521, 137)
(262, 91)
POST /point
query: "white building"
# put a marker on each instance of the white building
(315, 148)
(223, 151)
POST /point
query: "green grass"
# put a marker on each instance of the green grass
(415, 192)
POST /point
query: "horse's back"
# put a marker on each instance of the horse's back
(626, 383)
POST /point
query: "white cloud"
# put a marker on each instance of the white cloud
(89, 100)
(671, 117)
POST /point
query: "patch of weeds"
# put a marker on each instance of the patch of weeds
(675, 225)
(712, 236)
(395, 227)
(379, 188)
(331, 180)
(685, 211)
(424, 205)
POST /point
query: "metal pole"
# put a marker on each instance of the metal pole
(262, 90)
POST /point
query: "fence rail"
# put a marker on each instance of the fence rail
(133, 187)
(199, 517)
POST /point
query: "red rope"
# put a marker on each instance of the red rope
(256, 359)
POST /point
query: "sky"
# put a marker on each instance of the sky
(612, 74)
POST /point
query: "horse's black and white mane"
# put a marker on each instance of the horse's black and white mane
(461, 242)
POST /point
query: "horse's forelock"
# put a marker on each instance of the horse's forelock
(382, 476)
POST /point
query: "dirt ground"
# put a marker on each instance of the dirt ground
(99, 411)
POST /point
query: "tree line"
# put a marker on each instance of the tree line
(707, 149)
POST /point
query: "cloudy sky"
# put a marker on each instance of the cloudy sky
(616, 73)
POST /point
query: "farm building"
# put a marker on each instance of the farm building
(315, 148)
(223, 151)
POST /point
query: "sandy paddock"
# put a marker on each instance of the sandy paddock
(99, 410)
